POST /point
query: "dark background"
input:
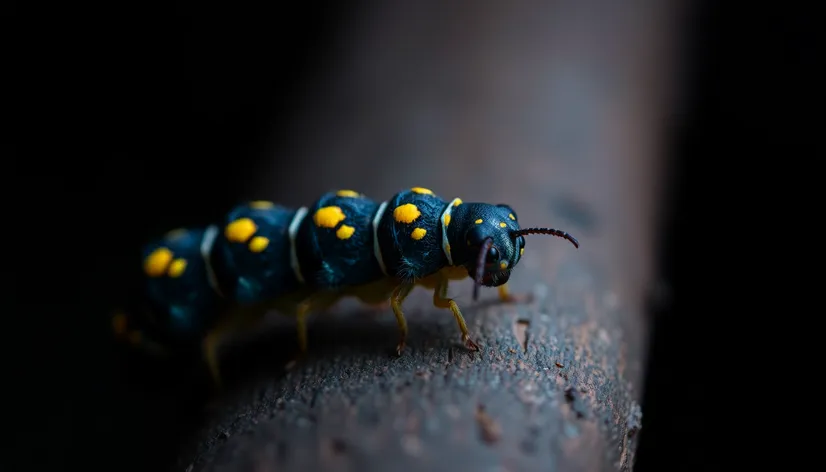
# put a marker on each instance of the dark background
(113, 125)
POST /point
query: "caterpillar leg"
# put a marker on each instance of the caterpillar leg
(440, 300)
(210, 352)
(134, 336)
(399, 294)
(318, 301)
(506, 296)
(240, 319)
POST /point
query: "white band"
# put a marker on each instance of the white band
(293, 232)
(206, 248)
(445, 243)
(376, 247)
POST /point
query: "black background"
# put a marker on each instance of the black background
(124, 106)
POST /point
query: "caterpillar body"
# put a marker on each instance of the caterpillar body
(202, 283)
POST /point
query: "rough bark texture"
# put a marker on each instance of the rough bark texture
(515, 107)
(551, 388)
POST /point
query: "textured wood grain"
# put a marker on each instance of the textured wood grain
(550, 387)
(515, 107)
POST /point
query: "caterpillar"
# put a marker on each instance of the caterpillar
(202, 283)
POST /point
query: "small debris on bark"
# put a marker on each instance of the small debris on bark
(488, 427)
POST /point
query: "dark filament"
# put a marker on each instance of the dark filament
(551, 231)
(488, 242)
(480, 265)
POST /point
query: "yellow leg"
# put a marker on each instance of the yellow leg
(504, 294)
(399, 294)
(234, 321)
(317, 301)
(440, 300)
(210, 351)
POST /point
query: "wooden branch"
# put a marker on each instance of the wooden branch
(556, 384)
(549, 387)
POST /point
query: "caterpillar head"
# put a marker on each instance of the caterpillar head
(489, 242)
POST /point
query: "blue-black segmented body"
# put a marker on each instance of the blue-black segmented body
(245, 274)
(404, 255)
(343, 244)
(181, 299)
(341, 254)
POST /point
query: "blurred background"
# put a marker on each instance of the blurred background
(144, 117)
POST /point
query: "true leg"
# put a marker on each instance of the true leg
(210, 352)
(399, 294)
(440, 300)
(317, 301)
(504, 293)
(506, 296)
(239, 319)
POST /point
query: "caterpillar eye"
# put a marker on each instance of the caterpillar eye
(493, 254)
(520, 241)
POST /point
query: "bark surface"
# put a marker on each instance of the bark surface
(516, 107)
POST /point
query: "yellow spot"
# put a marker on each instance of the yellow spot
(240, 230)
(503, 265)
(175, 234)
(422, 190)
(479, 221)
(177, 267)
(502, 224)
(119, 324)
(447, 220)
(521, 251)
(156, 263)
(418, 233)
(261, 205)
(510, 215)
(406, 213)
(447, 246)
(348, 193)
(457, 202)
(345, 232)
(258, 244)
(328, 217)
(135, 337)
